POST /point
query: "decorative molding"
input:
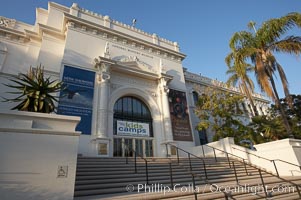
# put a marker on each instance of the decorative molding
(106, 53)
(121, 79)
(115, 86)
(104, 77)
(58, 6)
(126, 26)
(6, 22)
(134, 60)
(50, 30)
(13, 36)
(195, 79)
(3, 54)
(122, 38)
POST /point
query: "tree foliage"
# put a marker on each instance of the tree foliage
(270, 126)
(221, 112)
(34, 90)
(260, 47)
(238, 70)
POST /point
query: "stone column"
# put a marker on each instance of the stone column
(165, 110)
(103, 98)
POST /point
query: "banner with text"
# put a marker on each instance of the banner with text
(179, 116)
(126, 128)
(77, 98)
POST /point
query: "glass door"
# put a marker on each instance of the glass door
(117, 147)
(128, 147)
(149, 148)
(139, 147)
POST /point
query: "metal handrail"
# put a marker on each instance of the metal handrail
(135, 153)
(243, 160)
(178, 148)
(227, 154)
(271, 160)
(296, 185)
(191, 172)
(288, 163)
(252, 154)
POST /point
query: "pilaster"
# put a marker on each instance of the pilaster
(163, 81)
(102, 140)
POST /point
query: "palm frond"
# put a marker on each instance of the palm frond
(291, 45)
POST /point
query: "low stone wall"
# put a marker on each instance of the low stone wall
(38, 154)
(266, 156)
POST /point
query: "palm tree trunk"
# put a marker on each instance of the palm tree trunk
(282, 113)
(249, 96)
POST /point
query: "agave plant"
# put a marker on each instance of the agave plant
(35, 91)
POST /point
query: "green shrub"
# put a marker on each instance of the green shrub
(35, 91)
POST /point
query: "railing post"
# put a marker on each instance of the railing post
(263, 185)
(214, 155)
(243, 160)
(146, 171)
(170, 174)
(297, 187)
(178, 155)
(135, 162)
(298, 190)
(226, 196)
(275, 168)
(203, 151)
(166, 150)
(190, 162)
(235, 172)
(228, 159)
(126, 157)
(205, 170)
(194, 190)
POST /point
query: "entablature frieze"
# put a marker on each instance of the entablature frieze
(31, 36)
(13, 35)
(127, 80)
(122, 39)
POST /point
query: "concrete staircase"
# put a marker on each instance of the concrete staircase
(112, 178)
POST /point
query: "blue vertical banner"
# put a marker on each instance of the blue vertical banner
(77, 98)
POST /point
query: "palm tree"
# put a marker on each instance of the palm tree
(260, 47)
(239, 69)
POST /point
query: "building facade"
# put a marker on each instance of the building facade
(128, 86)
(196, 85)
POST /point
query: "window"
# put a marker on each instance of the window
(195, 96)
(132, 109)
(203, 137)
(244, 107)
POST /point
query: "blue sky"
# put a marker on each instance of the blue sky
(202, 28)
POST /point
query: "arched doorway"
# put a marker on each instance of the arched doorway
(132, 127)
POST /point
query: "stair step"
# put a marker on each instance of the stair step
(107, 178)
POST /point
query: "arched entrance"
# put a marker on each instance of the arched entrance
(132, 126)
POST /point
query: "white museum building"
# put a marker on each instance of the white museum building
(128, 86)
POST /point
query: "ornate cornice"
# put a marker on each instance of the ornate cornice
(119, 78)
(50, 30)
(202, 80)
(114, 36)
(13, 35)
(6, 22)
(126, 26)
